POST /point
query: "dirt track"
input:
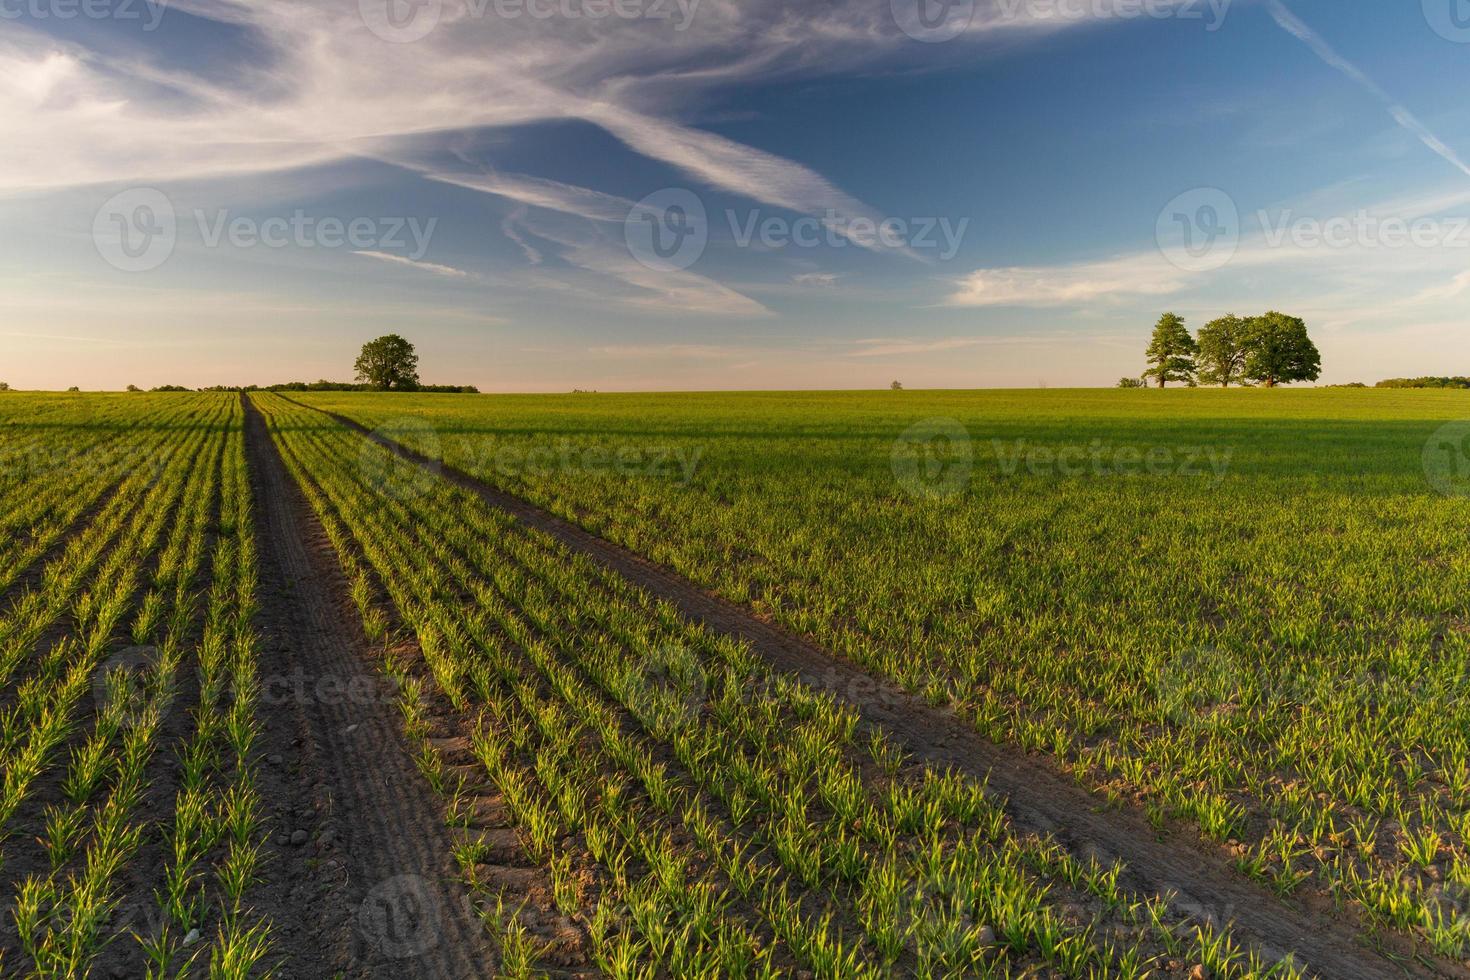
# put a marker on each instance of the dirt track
(1040, 798)
(372, 890)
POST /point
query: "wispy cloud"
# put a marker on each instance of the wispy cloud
(909, 347)
(434, 267)
(594, 251)
(822, 280)
(625, 281)
(1294, 25)
(749, 172)
(695, 352)
(508, 226)
(1144, 274)
(315, 85)
(1455, 287)
(667, 291)
(1369, 259)
(894, 348)
(550, 194)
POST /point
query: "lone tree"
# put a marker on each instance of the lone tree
(388, 364)
(1222, 351)
(1278, 350)
(1171, 354)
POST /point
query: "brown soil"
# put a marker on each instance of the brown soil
(361, 880)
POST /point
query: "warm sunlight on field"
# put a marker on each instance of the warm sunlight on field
(862, 684)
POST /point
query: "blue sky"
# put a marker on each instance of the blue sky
(177, 184)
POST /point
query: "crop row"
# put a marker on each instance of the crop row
(56, 464)
(128, 813)
(690, 811)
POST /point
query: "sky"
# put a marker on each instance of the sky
(685, 194)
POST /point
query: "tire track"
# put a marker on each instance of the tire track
(362, 881)
(1039, 797)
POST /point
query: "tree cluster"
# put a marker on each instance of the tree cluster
(1268, 350)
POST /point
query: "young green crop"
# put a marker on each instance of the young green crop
(108, 603)
(1246, 608)
(721, 819)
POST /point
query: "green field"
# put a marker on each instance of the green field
(128, 810)
(1245, 609)
(1240, 619)
(703, 814)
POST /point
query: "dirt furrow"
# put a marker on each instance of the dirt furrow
(362, 881)
(1040, 797)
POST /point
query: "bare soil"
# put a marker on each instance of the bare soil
(361, 881)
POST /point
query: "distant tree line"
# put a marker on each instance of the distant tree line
(1269, 350)
(1424, 383)
(334, 386)
(388, 363)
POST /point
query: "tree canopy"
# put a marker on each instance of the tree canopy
(1171, 354)
(1278, 350)
(388, 363)
(1222, 351)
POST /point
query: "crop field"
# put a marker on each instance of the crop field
(130, 825)
(894, 684)
(738, 820)
(1244, 611)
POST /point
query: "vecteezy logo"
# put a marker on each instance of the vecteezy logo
(129, 684)
(1195, 683)
(932, 21)
(1203, 912)
(401, 917)
(136, 230)
(385, 470)
(933, 459)
(666, 689)
(667, 230)
(1199, 231)
(401, 21)
(1447, 459)
(1450, 19)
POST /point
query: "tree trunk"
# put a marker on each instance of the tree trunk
(1161, 380)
